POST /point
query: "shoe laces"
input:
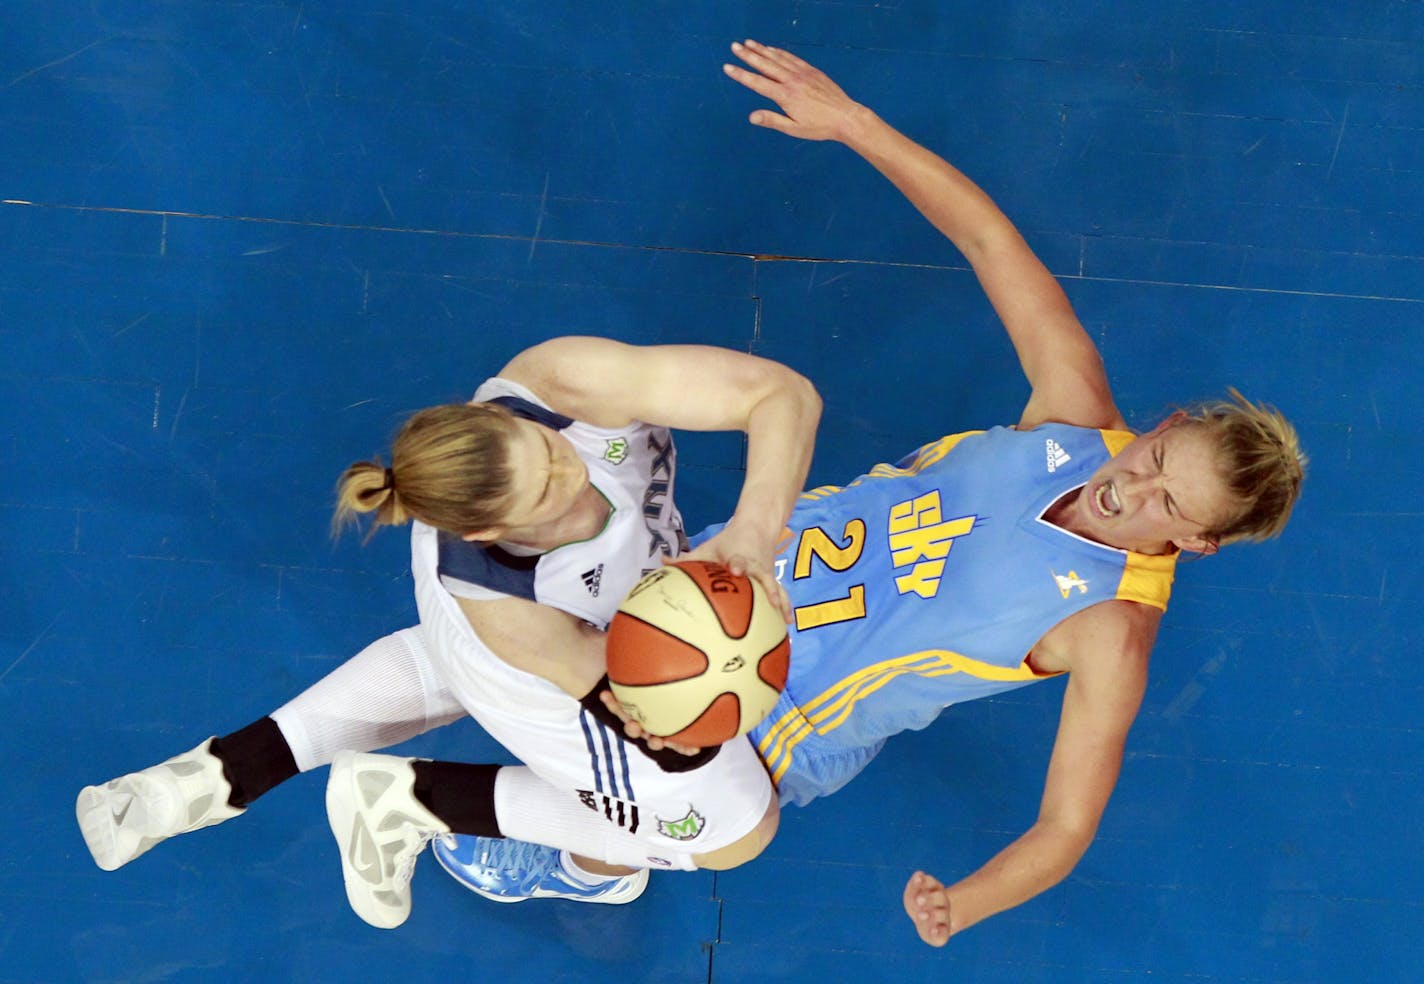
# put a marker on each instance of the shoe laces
(407, 856)
(517, 857)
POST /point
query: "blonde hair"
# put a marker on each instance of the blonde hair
(449, 469)
(1261, 461)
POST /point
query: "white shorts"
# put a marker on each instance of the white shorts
(694, 812)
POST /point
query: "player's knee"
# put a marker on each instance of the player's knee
(748, 847)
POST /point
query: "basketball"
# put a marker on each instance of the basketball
(696, 654)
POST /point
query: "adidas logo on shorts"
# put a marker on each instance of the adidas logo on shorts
(1057, 457)
(592, 579)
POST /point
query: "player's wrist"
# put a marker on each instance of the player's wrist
(752, 519)
(860, 127)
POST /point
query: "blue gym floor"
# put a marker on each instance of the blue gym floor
(241, 240)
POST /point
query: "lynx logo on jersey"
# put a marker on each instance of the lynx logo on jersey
(617, 451)
(1067, 582)
(686, 829)
(1057, 457)
(920, 540)
(615, 811)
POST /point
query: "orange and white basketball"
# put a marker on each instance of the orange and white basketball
(697, 654)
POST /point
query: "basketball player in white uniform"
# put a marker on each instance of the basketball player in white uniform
(580, 505)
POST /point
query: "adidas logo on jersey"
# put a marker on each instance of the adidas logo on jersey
(1057, 457)
(592, 579)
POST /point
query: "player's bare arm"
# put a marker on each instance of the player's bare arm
(549, 643)
(566, 651)
(695, 387)
(540, 640)
(1106, 649)
(1060, 360)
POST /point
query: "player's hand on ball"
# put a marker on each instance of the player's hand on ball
(927, 905)
(747, 554)
(635, 731)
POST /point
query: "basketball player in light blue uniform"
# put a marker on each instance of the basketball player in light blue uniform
(992, 559)
(927, 583)
(1006, 555)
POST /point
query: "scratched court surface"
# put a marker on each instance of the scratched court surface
(241, 241)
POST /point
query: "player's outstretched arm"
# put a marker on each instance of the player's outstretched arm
(1104, 691)
(1060, 360)
(696, 387)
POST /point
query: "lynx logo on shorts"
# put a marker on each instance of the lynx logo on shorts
(617, 451)
(686, 829)
(616, 811)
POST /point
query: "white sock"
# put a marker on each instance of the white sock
(581, 874)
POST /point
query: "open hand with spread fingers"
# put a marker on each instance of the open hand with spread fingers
(814, 107)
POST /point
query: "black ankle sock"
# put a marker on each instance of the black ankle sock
(460, 794)
(254, 760)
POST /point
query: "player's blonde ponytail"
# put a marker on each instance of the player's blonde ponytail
(449, 468)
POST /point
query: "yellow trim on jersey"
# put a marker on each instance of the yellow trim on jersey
(830, 709)
(1117, 440)
(1147, 579)
(927, 456)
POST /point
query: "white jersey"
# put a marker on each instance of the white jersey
(633, 468)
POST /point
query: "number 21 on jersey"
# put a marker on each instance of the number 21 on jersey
(918, 537)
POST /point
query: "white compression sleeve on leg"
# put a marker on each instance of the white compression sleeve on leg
(385, 694)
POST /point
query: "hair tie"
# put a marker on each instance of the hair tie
(390, 481)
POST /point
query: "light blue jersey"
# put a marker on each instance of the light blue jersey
(927, 583)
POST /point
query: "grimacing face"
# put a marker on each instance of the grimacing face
(1165, 489)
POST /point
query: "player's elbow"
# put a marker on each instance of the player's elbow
(1071, 838)
(788, 387)
(1066, 830)
(807, 395)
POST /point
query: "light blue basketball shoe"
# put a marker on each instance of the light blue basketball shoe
(506, 870)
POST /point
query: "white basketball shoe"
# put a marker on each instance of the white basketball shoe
(126, 816)
(380, 829)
